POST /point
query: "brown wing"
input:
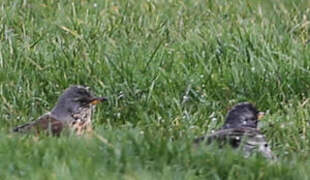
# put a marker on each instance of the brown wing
(44, 123)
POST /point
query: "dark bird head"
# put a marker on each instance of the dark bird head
(73, 99)
(242, 115)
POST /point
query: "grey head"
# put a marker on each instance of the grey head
(72, 100)
(242, 115)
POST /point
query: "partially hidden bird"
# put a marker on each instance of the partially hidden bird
(72, 111)
(240, 131)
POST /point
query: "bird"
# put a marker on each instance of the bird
(240, 131)
(72, 111)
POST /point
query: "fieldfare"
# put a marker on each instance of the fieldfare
(73, 111)
(240, 131)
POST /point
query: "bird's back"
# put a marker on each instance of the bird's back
(248, 139)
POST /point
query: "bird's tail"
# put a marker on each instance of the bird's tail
(23, 128)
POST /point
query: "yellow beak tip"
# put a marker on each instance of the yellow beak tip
(94, 102)
(260, 115)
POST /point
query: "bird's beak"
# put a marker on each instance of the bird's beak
(260, 115)
(98, 100)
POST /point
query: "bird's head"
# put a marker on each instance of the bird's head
(75, 97)
(242, 115)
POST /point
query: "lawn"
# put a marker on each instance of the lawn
(171, 69)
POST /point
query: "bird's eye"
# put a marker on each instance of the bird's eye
(266, 145)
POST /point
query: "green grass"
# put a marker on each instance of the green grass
(169, 68)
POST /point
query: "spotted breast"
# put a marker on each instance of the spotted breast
(82, 120)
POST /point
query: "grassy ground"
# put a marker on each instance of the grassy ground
(172, 69)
